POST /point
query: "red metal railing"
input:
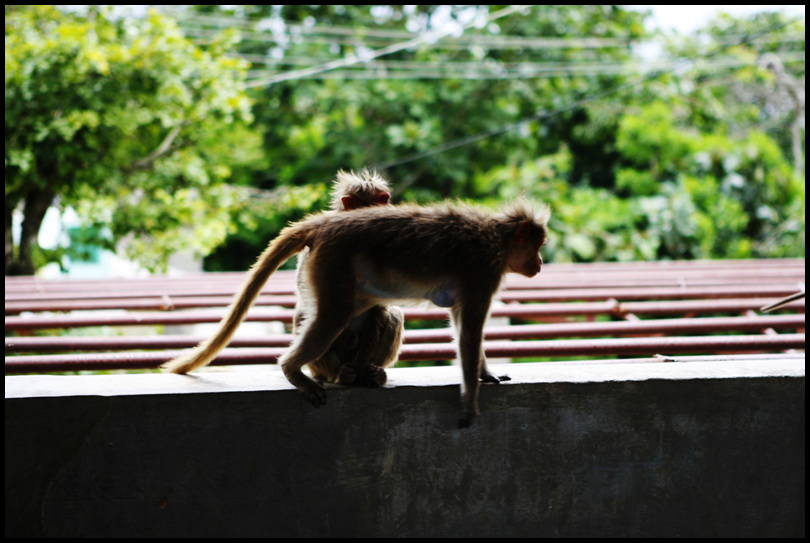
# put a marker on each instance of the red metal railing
(614, 309)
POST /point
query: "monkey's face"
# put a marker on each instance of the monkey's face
(525, 260)
(524, 252)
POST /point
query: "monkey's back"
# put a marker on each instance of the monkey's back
(445, 240)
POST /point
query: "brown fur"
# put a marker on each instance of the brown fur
(367, 186)
(375, 255)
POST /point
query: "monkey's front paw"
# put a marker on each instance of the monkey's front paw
(315, 393)
(347, 375)
(372, 376)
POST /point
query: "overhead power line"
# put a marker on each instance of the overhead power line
(393, 70)
(684, 63)
(257, 30)
(511, 126)
(354, 59)
(347, 68)
(490, 41)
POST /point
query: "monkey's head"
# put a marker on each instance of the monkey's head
(528, 231)
(357, 190)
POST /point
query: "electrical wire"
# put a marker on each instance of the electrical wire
(378, 70)
(399, 70)
(354, 59)
(256, 30)
(573, 105)
(511, 126)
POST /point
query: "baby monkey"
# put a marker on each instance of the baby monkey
(372, 340)
(455, 256)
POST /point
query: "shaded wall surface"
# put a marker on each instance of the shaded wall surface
(679, 449)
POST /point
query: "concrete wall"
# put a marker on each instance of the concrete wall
(702, 448)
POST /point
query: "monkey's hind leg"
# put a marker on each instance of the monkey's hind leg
(310, 346)
(313, 391)
(328, 368)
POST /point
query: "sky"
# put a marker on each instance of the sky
(685, 19)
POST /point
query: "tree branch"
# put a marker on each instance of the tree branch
(161, 149)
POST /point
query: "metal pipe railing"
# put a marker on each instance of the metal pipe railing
(171, 302)
(668, 273)
(705, 325)
(636, 309)
(518, 311)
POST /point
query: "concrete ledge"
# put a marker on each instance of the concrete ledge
(704, 447)
(268, 378)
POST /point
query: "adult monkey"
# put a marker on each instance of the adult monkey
(372, 340)
(454, 256)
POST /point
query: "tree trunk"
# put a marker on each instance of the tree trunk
(37, 203)
(9, 233)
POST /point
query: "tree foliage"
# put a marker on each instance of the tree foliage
(703, 158)
(683, 164)
(323, 123)
(678, 194)
(127, 120)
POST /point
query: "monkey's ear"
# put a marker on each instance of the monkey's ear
(522, 233)
(351, 202)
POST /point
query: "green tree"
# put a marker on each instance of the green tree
(752, 79)
(352, 122)
(679, 193)
(709, 194)
(418, 99)
(128, 121)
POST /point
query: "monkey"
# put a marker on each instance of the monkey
(450, 254)
(355, 190)
(372, 340)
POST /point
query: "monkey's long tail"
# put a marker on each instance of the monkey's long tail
(289, 242)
